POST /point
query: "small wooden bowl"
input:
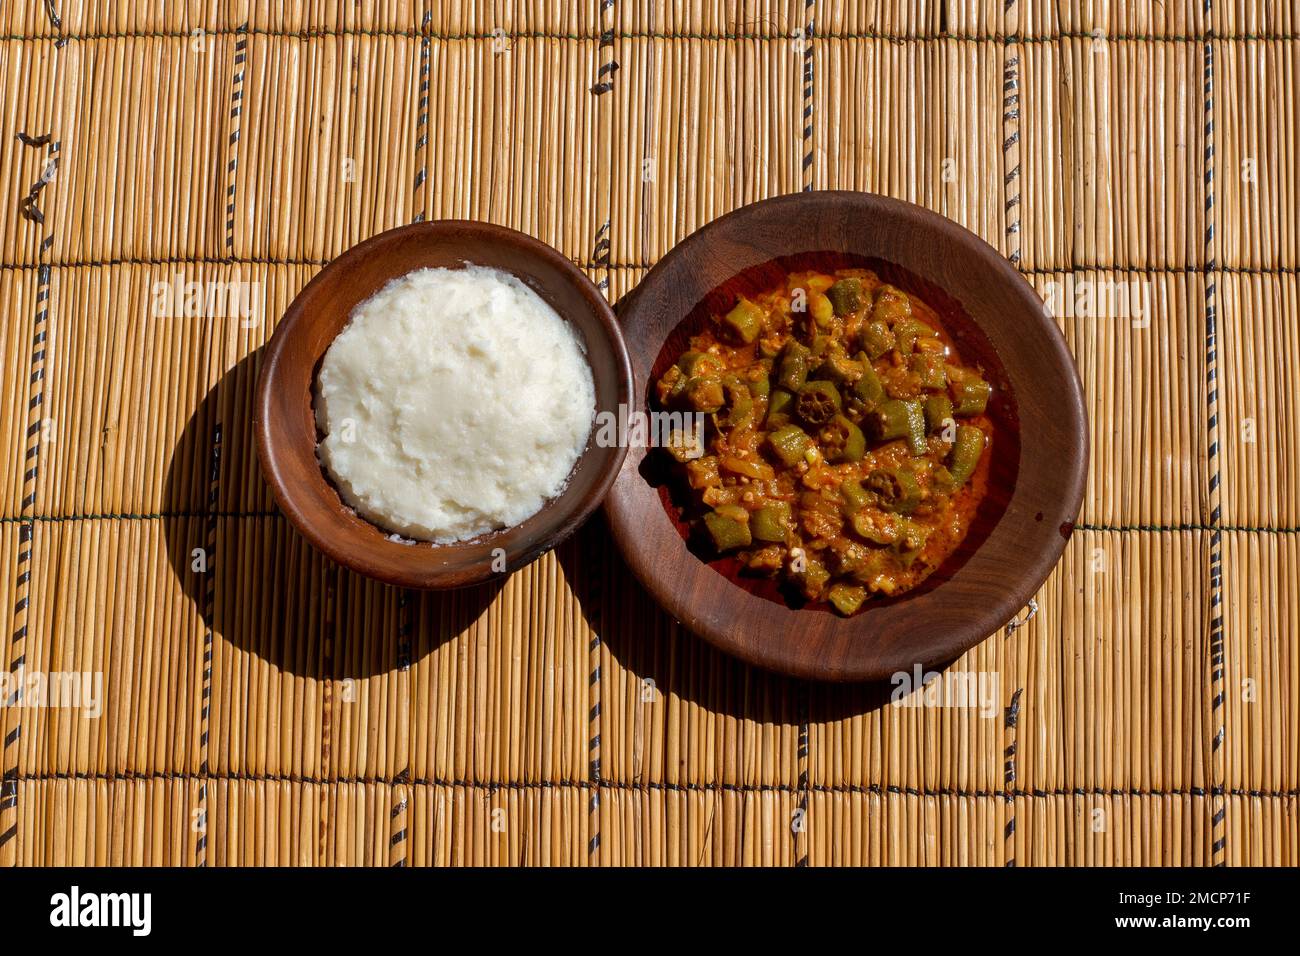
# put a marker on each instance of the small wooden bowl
(286, 428)
(1040, 446)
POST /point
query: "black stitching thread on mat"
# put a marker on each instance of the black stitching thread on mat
(1010, 722)
(178, 515)
(594, 585)
(1218, 821)
(52, 15)
(236, 103)
(1011, 154)
(600, 256)
(214, 472)
(28, 140)
(230, 260)
(608, 65)
(422, 122)
(1011, 208)
(209, 627)
(898, 38)
(600, 260)
(869, 789)
(397, 816)
(809, 34)
(1162, 270)
(56, 21)
(127, 516)
(1176, 528)
(167, 261)
(26, 543)
(27, 207)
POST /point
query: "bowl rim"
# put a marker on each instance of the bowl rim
(292, 324)
(675, 593)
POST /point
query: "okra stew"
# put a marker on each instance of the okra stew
(845, 441)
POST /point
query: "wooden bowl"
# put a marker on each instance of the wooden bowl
(1040, 444)
(286, 428)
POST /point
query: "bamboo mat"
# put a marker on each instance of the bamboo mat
(272, 708)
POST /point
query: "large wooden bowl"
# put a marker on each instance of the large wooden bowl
(1040, 445)
(286, 428)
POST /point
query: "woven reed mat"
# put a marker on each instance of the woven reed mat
(272, 708)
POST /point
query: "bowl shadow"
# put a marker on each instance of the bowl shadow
(649, 645)
(267, 592)
(259, 585)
